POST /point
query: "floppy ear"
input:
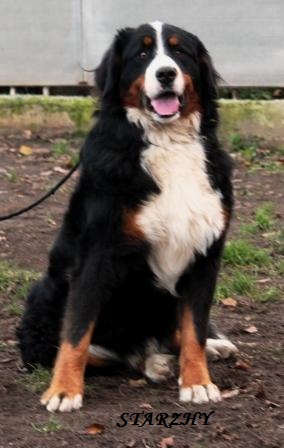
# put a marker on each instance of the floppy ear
(107, 74)
(208, 82)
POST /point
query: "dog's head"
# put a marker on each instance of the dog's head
(160, 69)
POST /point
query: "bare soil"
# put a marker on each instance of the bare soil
(250, 418)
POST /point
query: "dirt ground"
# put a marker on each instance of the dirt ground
(250, 416)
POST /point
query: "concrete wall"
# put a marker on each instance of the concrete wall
(48, 42)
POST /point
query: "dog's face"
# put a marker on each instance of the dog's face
(159, 68)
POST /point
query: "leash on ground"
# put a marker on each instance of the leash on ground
(42, 198)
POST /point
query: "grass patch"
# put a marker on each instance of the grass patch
(15, 281)
(235, 283)
(268, 294)
(60, 148)
(243, 283)
(241, 252)
(52, 425)
(264, 220)
(264, 217)
(37, 381)
(12, 175)
(247, 148)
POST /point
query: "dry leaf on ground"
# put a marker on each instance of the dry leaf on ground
(252, 329)
(95, 428)
(25, 150)
(229, 301)
(166, 442)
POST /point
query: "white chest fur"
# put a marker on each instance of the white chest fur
(187, 216)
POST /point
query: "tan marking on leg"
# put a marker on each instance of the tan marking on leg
(193, 363)
(68, 373)
(130, 225)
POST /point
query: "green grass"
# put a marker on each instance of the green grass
(241, 252)
(15, 281)
(247, 148)
(60, 148)
(36, 381)
(243, 283)
(264, 216)
(50, 426)
(256, 157)
(12, 175)
(263, 220)
(235, 283)
(266, 295)
(245, 263)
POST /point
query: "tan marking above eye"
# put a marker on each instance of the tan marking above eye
(148, 41)
(174, 40)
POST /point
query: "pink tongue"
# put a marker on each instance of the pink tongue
(166, 106)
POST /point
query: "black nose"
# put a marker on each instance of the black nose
(166, 75)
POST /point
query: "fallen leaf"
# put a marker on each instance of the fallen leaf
(131, 443)
(25, 150)
(145, 406)
(95, 428)
(229, 301)
(252, 329)
(27, 133)
(272, 404)
(230, 393)
(166, 442)
(137, 383)
(264, 280)
(60, 170)
(241, 365)
(46, 173)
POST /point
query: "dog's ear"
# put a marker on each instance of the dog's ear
(208, 75)
(208, 86)
(107, 74)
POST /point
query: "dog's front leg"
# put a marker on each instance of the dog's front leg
(88, 293)
(197, 295)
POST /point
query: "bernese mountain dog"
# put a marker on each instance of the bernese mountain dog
(132, 273)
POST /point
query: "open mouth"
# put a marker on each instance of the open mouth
(166, 105)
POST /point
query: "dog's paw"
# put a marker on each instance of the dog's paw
(198, 394)
(220, 349)
(159, 367)
(61, 400)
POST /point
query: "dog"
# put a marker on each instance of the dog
(132, 273)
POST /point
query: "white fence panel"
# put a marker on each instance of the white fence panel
(45, 42)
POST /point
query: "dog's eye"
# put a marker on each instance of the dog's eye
(177, 51)
(143, 55)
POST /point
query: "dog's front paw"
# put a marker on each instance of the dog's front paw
(59, 399)
(199, 394)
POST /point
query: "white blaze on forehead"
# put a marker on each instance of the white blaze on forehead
(152, 86)
(158, 27)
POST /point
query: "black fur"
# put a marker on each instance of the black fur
(95, 272)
